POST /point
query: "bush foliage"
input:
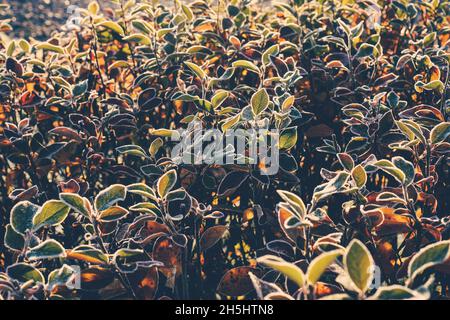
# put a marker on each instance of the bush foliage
(358, 210)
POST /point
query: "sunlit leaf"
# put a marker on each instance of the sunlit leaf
(87, 254)
(294, 201)
(359, 265)
(166, 182)
(75, 202)
(318, 266)
(196, 70)
(142, 189)
(245, 65)
(110, 196)
(50, 47)
(259, 101)
(53, 212)
(112, 26)
(290, 270)
(113, 213)
(48, 249)
(288, 138)
(440, 132)
(359, 175)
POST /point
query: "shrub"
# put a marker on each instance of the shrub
(95, 206)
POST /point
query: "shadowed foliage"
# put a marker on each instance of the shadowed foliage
(93, 206)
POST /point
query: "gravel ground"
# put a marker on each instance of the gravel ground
(40, 18)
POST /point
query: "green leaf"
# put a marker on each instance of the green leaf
(13, 239)
(288, 138)
(142, 25)
(366, 50)
(155, 146)
(52, 213)
(272, 51)
(427, 257)
(127, 253)
(411, 130)
(93, 7)
(288, 103)
(294, 201)
(166, 182)
(405, 130)
(358, 263)
(290, 270)
(395, 292)
(22, 216)
(187, 12)
(111, 25)
(110, 196)
(143, 190)
(174, 134)
(219, 98)
(75, 202)
(60, 277)
(128, 259)
(119, 64)
(359, 175)
(146, 207)
(406, 167)
(132, 150)
(63, 83)
(318, 266)
(436, 85)
(388, 167)
(440, 132)
(135, 37)
(429, 38)
(113, 213)
(48, 249)
(25, 45)
(162, 32)
(24, 272)
(204, 105)
(259, 101)
(50, 47)
(230, 122)
(196, 70)
(11, 48)
(357, 145)
(345, 27)
(245, 65)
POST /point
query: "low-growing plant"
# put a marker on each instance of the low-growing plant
(96, 203)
